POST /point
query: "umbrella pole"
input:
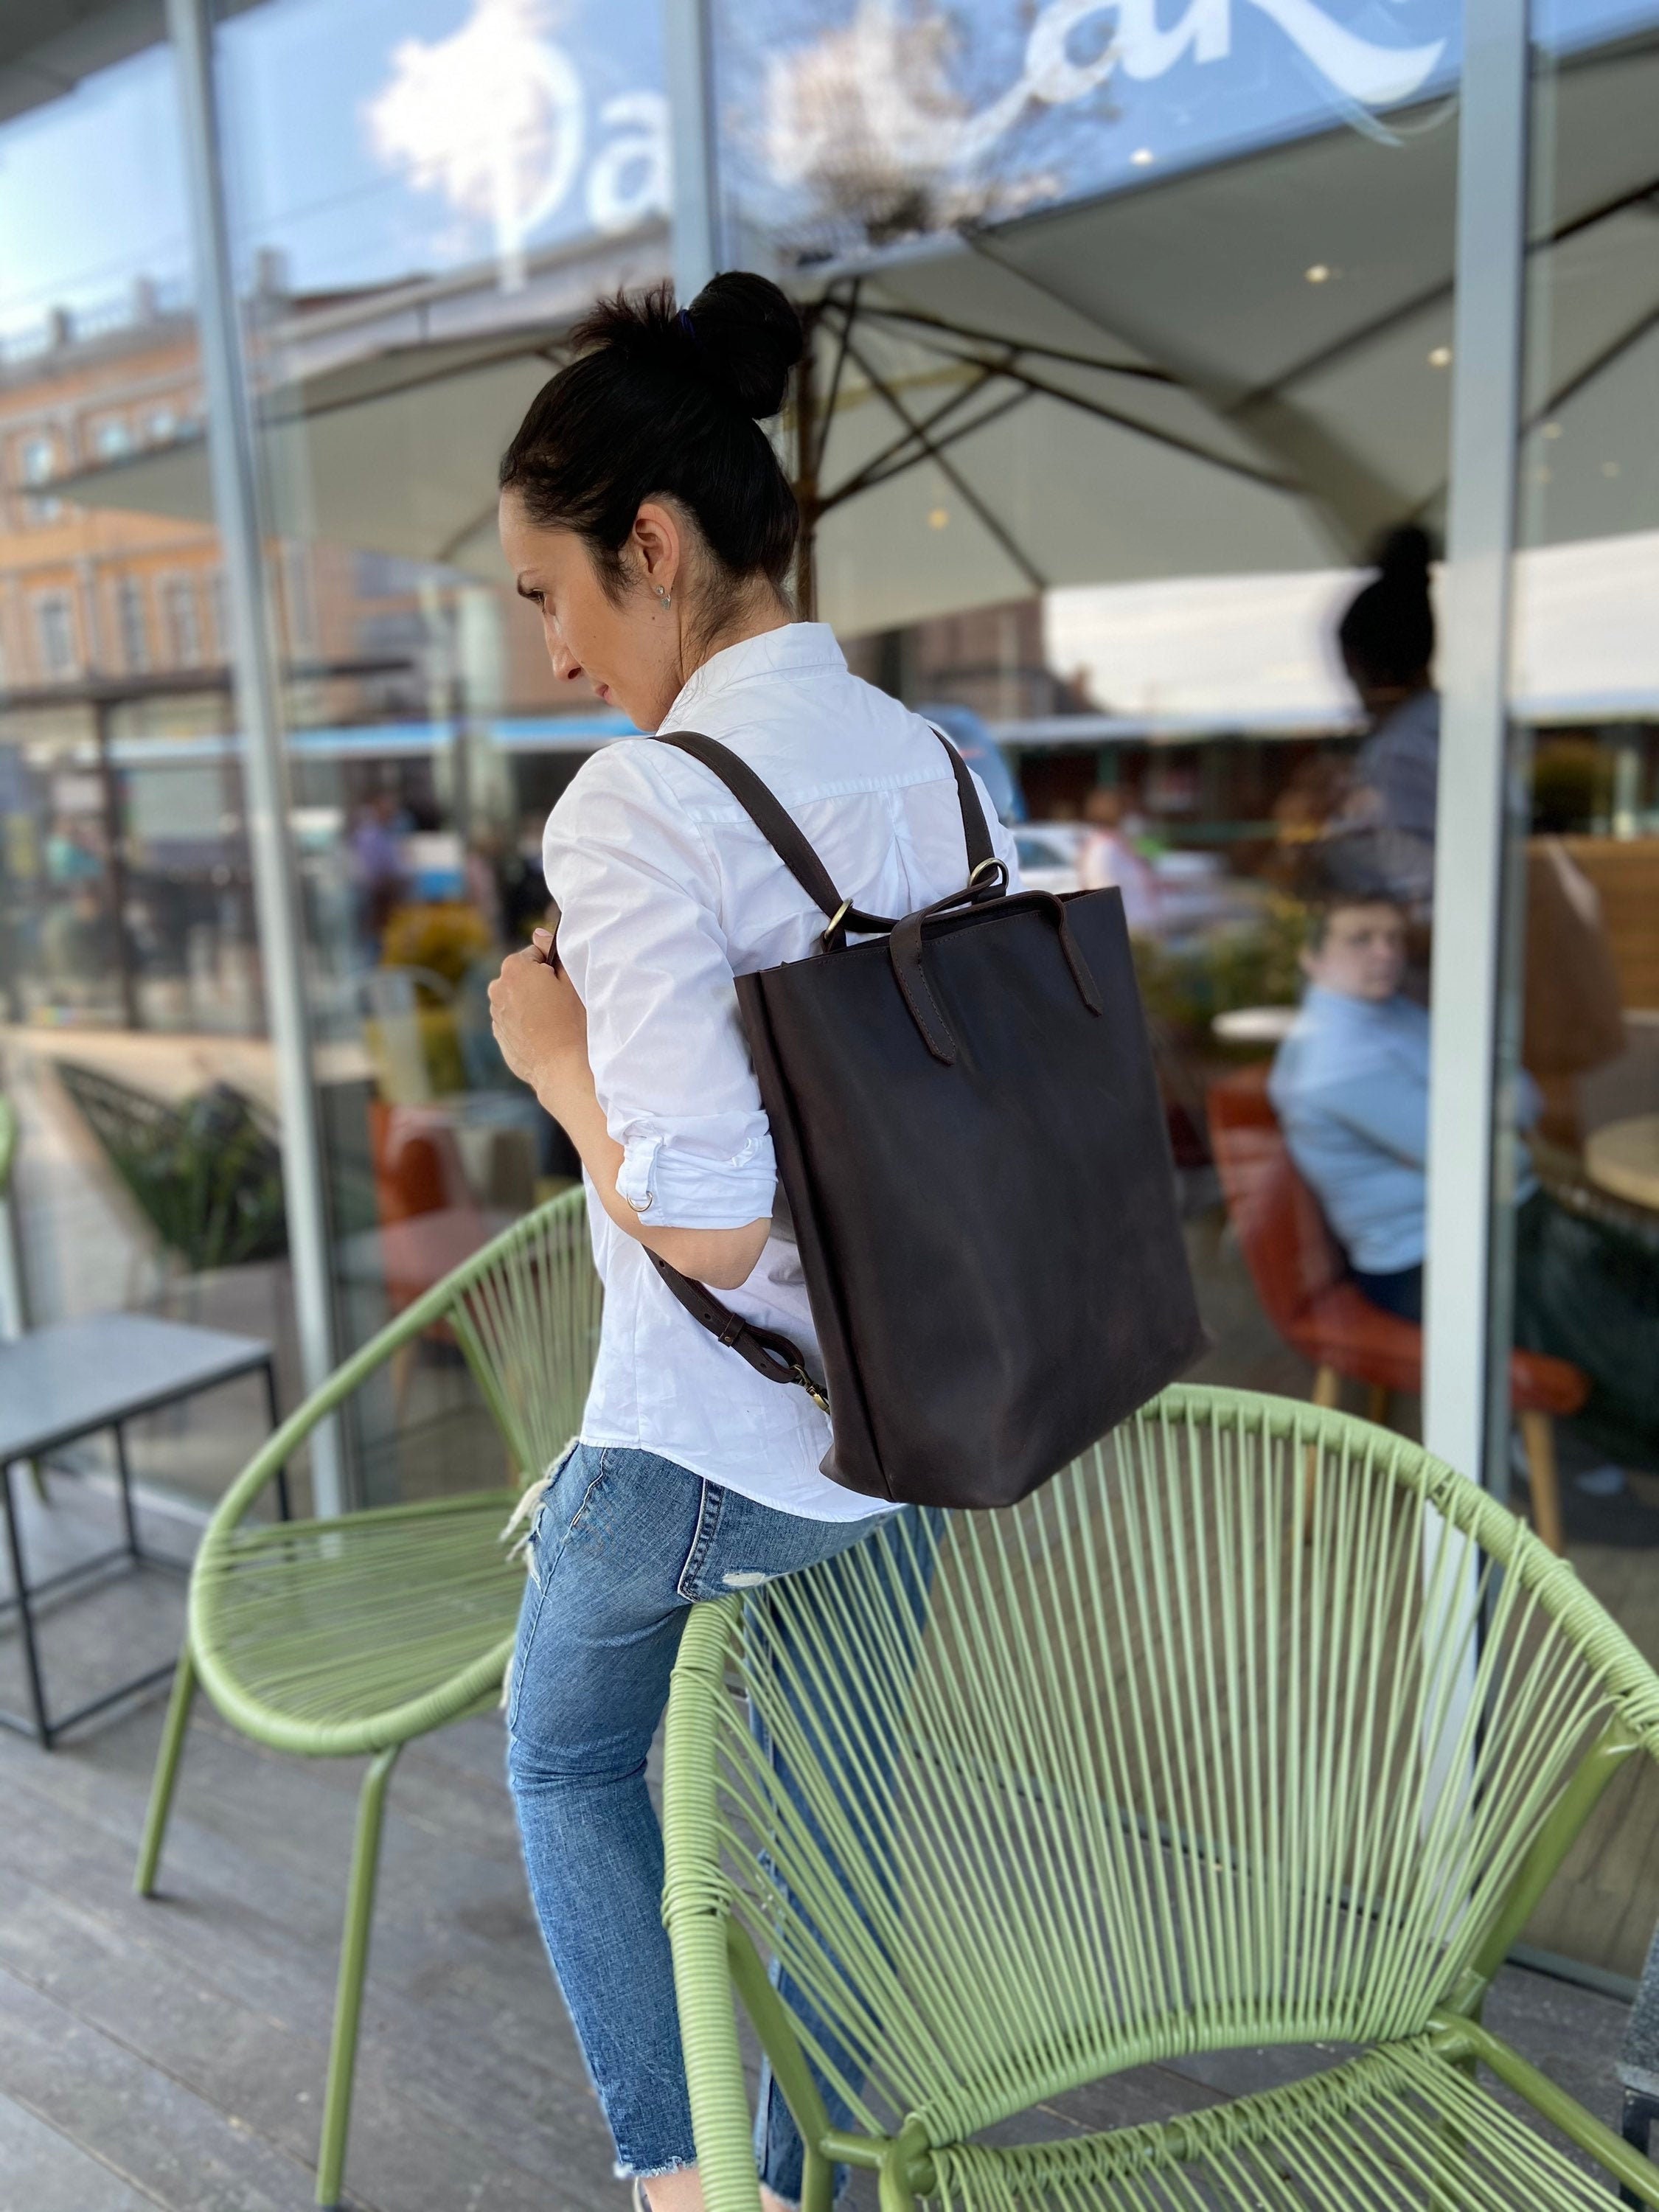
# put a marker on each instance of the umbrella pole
(808, 449)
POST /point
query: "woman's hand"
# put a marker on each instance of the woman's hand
(540, 1024)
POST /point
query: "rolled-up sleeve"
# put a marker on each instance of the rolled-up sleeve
(640, 937)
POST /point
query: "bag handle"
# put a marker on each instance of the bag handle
(788, 840)
(910, 970)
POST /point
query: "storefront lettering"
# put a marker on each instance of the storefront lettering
(887, 70)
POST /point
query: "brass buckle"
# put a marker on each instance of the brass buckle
(835, 921)
(998, 867)
(810, 1387)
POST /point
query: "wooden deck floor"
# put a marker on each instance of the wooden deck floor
(172, 2053)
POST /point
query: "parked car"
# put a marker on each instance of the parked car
(1195, 892)
(1048, 855)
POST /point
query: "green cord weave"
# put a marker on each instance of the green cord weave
(1163, 1759)
(346, 1635)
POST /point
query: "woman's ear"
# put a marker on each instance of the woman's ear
(659, 545)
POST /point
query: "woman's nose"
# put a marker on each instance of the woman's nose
(566, 666)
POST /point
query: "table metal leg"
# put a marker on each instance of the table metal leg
(125, 1474)
(25, 1615)
(285, 1510)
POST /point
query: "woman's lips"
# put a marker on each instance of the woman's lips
(601, 691)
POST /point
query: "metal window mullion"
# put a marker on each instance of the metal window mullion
(276, 885)
(1469, 1229)
(688, 36)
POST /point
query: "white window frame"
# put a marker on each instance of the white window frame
(45, 606)
(179, 589)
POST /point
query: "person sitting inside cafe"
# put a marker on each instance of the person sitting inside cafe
(1350, 1085)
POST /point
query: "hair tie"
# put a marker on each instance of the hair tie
(689, 326)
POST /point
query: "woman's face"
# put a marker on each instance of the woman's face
(627, 648)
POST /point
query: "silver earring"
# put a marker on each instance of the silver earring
(667, 597)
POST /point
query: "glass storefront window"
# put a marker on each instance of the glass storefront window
(1131, 350)
(419, 203)
(132, 1016)
(1583, 947)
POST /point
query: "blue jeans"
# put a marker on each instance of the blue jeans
(621, 1547)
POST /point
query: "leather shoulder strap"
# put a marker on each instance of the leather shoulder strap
(976, 829)
(766, 1351)
(784, 835)
(790, 843)
(778, 828)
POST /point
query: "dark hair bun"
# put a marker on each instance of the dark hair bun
(1404, 556)
(1386, 636)
(751, 336)
(741, 335)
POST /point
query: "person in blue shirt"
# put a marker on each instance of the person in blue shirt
(1351, 1088)
(1349, 1085)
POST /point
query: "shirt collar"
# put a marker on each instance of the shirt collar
(1330, 1010)
(792, 650)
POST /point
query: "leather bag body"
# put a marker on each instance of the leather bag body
(970, 1139)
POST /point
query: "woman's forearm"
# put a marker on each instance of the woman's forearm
(722, 1258)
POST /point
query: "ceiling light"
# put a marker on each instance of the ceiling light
(1552, 429)
(938, 517)
(1143, 157)
(1609, 468)
(1319, 274)
(1441, 357)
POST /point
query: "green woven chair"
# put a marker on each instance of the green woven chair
(1134, 1771)
(330, 1638)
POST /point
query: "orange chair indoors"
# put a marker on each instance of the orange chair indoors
(1307, 1292)
(430, 1221)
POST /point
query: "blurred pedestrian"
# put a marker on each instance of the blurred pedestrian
(1110, 861)
(1382, 837)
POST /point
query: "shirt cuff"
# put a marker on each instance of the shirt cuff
(670, 1186)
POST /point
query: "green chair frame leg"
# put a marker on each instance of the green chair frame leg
(354, 1934)
(177, 1724)
(359, 1914)
(354, 1964)
(350, 1636)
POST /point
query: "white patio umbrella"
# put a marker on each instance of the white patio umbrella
(1148, 385)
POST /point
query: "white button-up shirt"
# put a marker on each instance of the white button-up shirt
(667, 891)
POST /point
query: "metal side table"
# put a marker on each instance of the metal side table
(73, 1380)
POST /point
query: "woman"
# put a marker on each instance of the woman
(644, 514)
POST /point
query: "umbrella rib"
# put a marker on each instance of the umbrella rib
(1313, 363)
(1609, 354)
(870, 476)
(1004, 537)
(849, 312)
(1249, 471)
(453, 544)
(1145, 372)
(1575, 384)
(891, 452)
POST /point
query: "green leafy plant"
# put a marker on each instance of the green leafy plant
(1254, 963)
(207, 1174)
